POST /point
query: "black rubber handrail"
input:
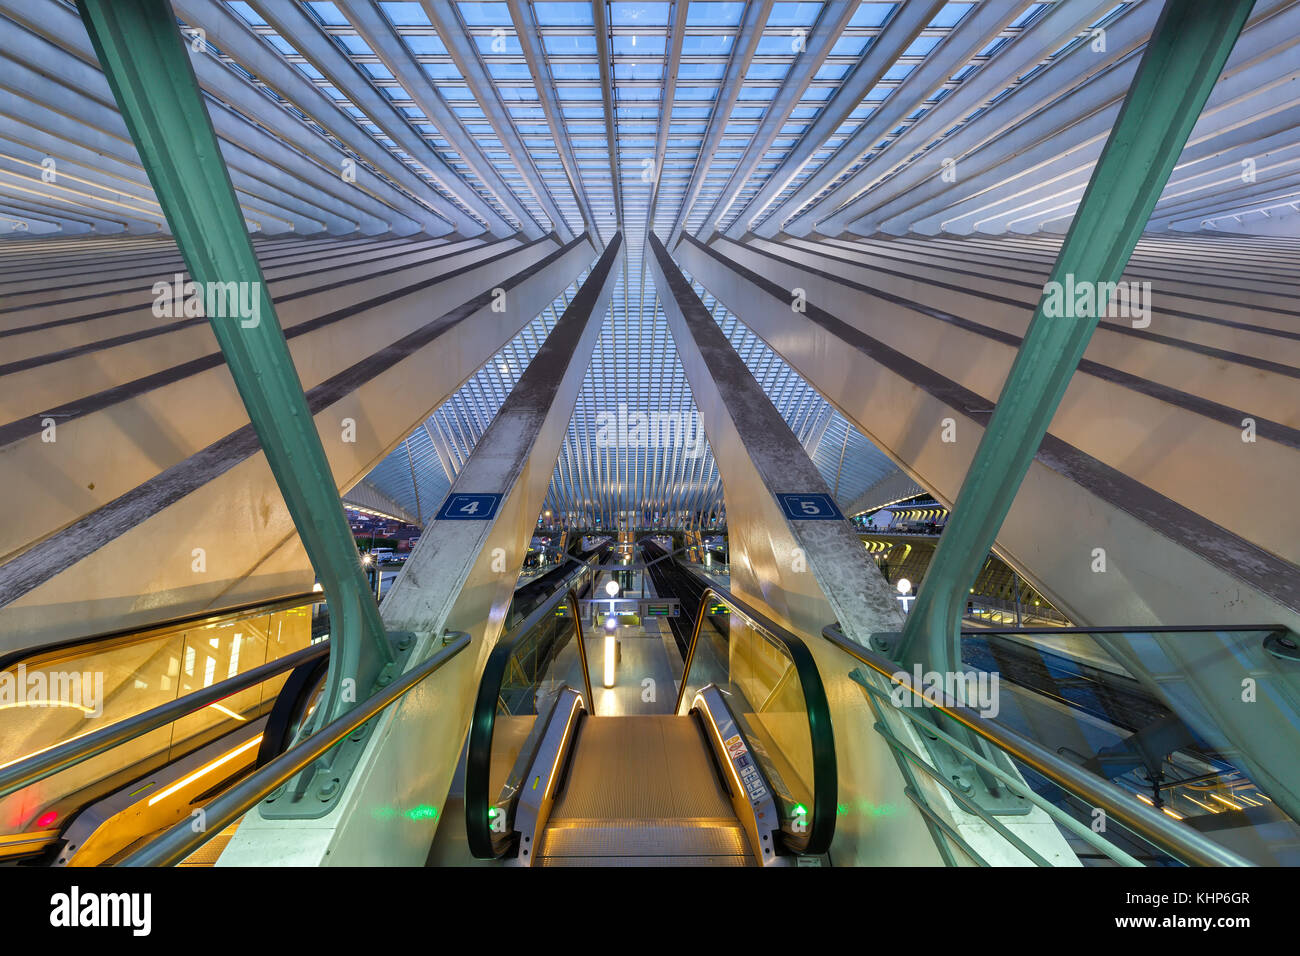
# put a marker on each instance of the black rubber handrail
(478, 758)
(825, 802)
(147, 632)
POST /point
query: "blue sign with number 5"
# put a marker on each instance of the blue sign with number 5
(459, 507)
(814, 507)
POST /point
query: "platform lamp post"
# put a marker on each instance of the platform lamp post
(611, 634)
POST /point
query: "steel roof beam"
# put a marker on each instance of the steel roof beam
(1067, 80)
(1060, 144)
(980, 27)
(903, 27)
(81, 116)
(57, 24)
(1039, 40)
(530, 42)
(1042, 139)
(672, 61)
(20, 222)
(304, 34)
(32, 205)
(378, 33)
(226, 31)
(607, 98)
(834, 18)
(457, 41)
(82, 92)
(107, 216)
(742, 52)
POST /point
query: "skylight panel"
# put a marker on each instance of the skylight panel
(704, 45)
(950, 15)
(872, 14)
(247, 12)
(640, 14)
(404, 14)
(849, 46)
(425, 45)
(485, 14)
(327, 13)
(636, 45)
(704, 13)
(550, 14)
(567, 45)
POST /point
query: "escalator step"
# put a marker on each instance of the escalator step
(666, 842)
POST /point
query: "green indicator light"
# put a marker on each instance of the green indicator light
(422, 812)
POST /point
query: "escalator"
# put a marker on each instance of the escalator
(98, 808)
(641, 791)
(270, 657)
(736, 767)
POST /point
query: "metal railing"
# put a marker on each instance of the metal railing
(180, 841)
(1179, 841)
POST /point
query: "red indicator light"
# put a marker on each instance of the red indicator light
(47, 820)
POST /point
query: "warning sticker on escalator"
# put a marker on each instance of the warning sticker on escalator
(753, 784)
(735, 746)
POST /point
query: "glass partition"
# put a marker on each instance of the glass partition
(1134, 710)
(51, 697)
(1161, 713)
(776, 697)
(521, 683)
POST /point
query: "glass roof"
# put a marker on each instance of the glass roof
(640, 115)
(562, 106)
(748, 119)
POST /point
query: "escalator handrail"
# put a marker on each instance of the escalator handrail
(181, 840)
(1179, 841)
(38, 766)
(825, 782)
(478, 756)
(91, 644)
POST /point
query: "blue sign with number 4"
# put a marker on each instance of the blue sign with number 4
(459, 507)
(809, 507)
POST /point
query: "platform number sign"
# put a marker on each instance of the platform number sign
(460, 507)
(809, 507)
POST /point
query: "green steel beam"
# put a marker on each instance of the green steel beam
(1179, 67)
(147, 65)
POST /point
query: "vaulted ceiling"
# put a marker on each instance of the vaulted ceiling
(923, 117)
